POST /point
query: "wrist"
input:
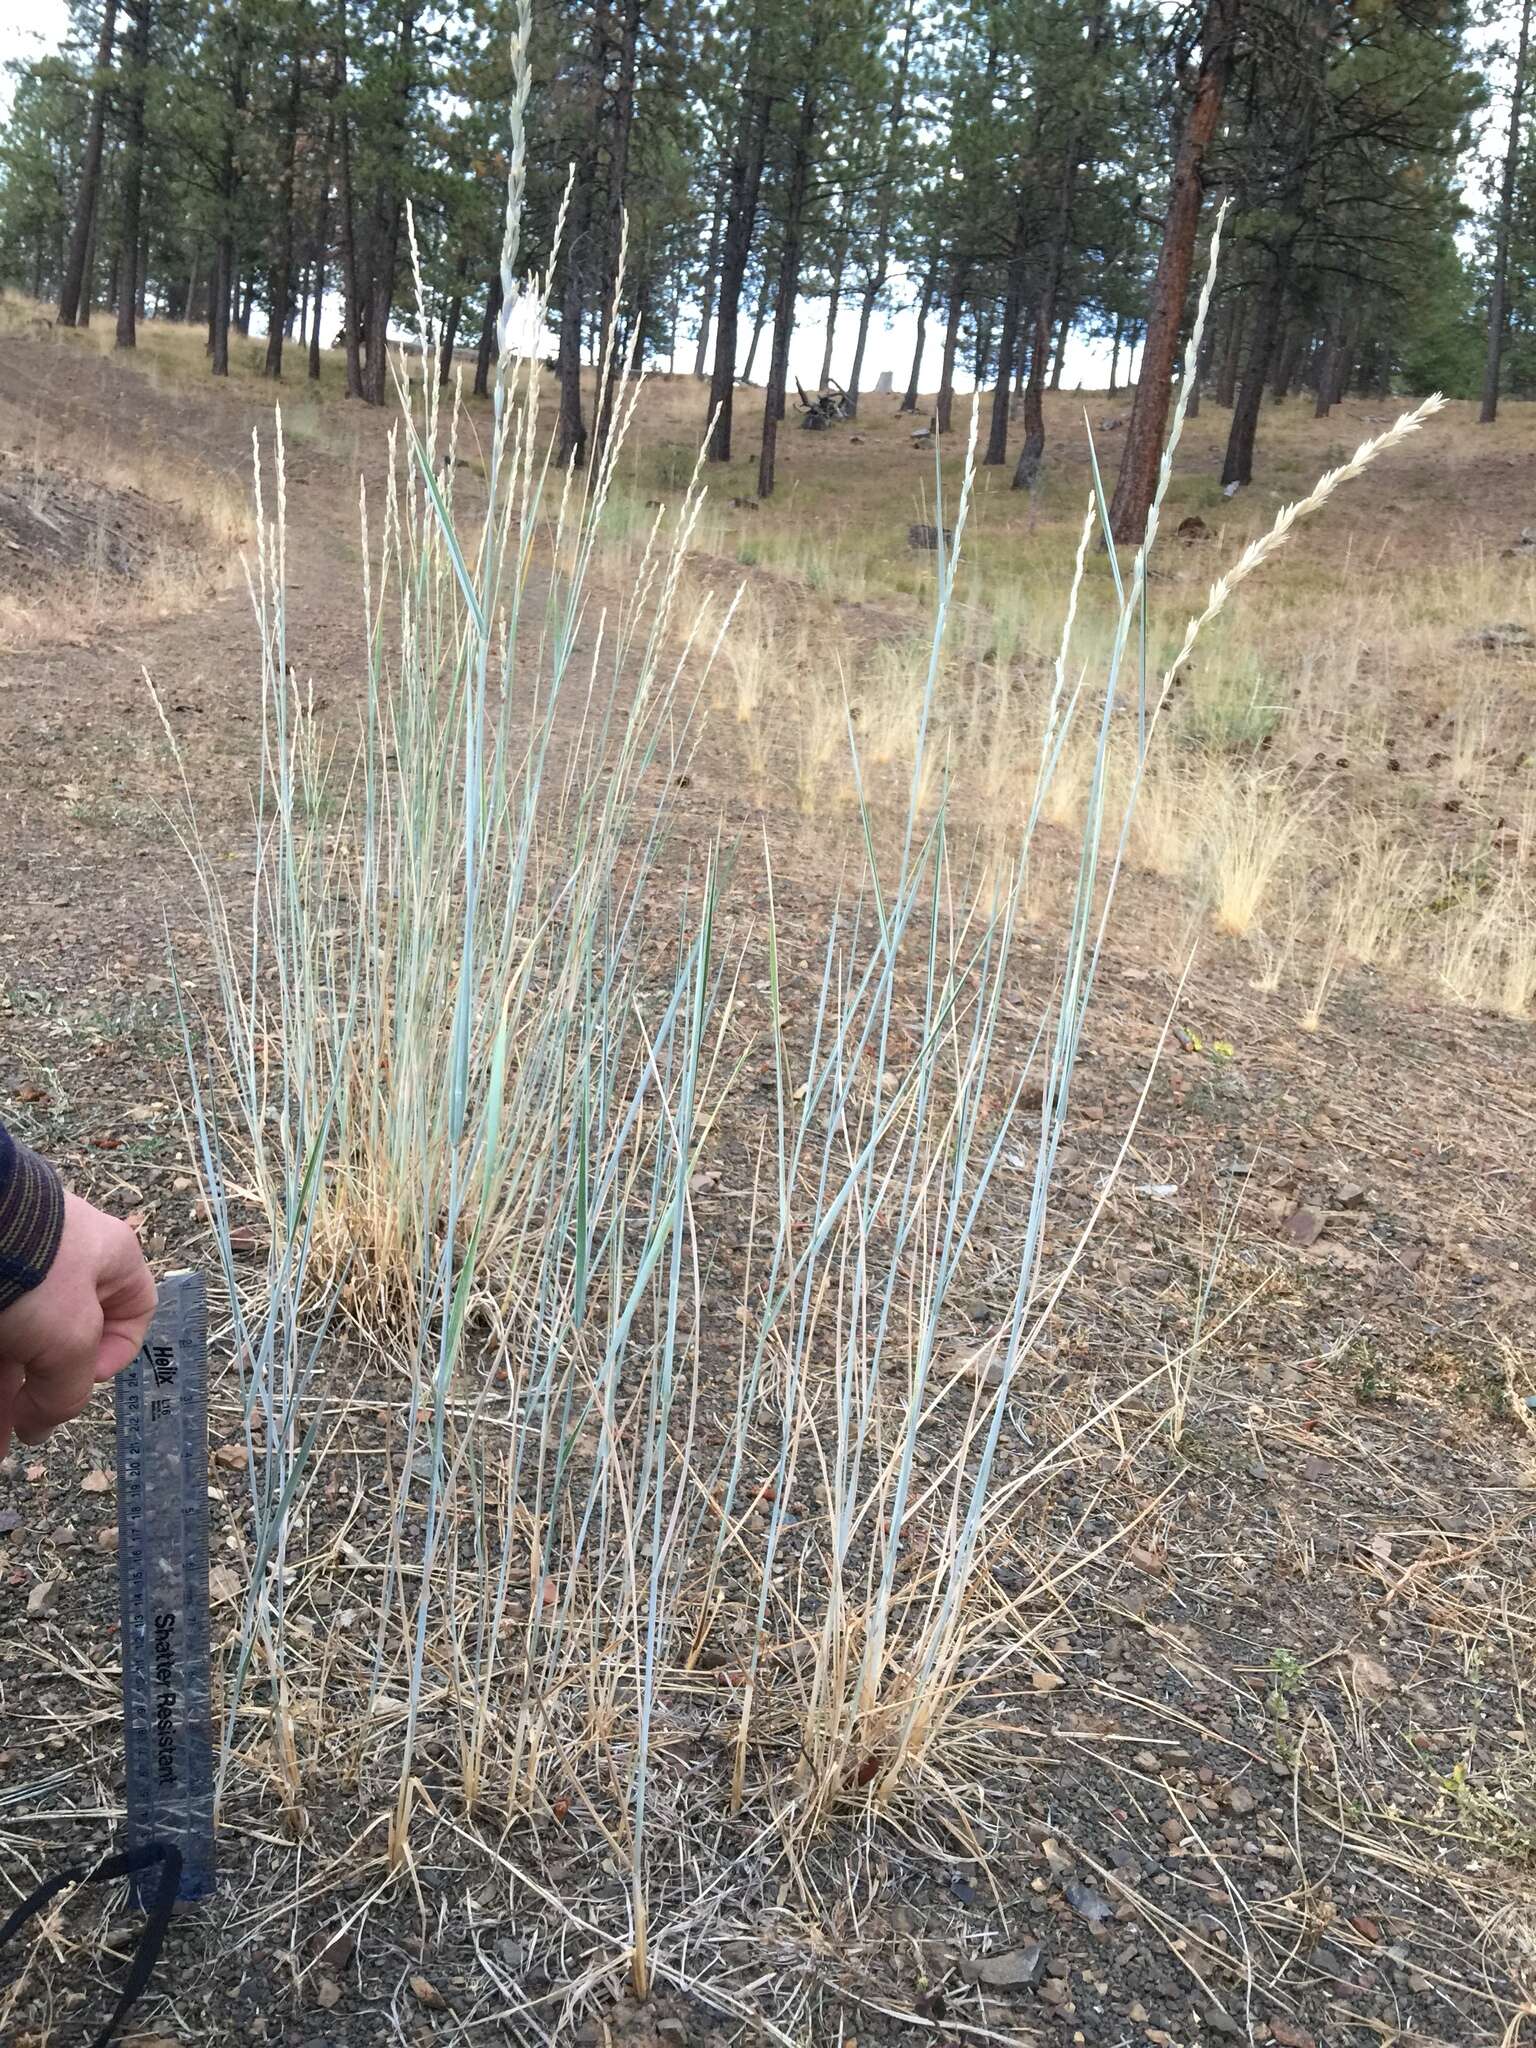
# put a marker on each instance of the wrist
(31, 1218)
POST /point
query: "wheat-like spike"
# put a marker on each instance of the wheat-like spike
(1258, 552)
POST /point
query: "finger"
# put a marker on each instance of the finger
(128, 1306)
(57, 1391)
(38, 1412)
(120, 1346)
(127, 1293)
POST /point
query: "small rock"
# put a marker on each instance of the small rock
(1046, 1681)
(10, 1521)
(42, 1598)
(1369, 1675)
(427, 1993)
(1220, 2021)
(1138, 2014)
(231, 1457)
(1303, 1227)
(1240, 1799)
(327, 1993)
(1351, 1197)
(1087, 1903)
(1290, 2033)
(1008, 1968)
(1055, 1991)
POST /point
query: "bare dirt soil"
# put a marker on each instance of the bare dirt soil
(1271, 1778)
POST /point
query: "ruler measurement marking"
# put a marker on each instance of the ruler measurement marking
(162, 1421)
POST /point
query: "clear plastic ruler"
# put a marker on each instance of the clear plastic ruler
(162, 1552)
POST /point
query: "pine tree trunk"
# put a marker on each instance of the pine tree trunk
(486, 353)
(1170, 286)
(711, 280)
(789, 274)
(742, 186)
(611, 355)
(1265, 340)
(82, 234)
(226, 284)
(351, 284)
(880, 262)
(1114, 357)
(924, 304)
(280, 283)
(981, 353)
(88, 287)
(1231, 353)
(1007, 343)
(1288, 357)
(322, 237)
(1497, 307)
(133, 172)
(571, 438)
(1032, 454)
(834, 303)
(1059, 361)
(946, 398)
(218, 305)
(451, 331)
(759, 322)
(1202, 369)
(384, 220)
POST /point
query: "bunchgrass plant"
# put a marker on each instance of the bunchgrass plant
(610, 1389)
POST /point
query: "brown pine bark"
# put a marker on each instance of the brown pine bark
(711, 280)
(1231, 352)
(930, 279)
(880, 265)
(322, 235)
(789, 272)
(1264, 340)
(742, 187)
(82, 233)
(485, 355)
(451, 326)
(1497, 308)
(1007, 342)
(1170, 286)
(944, 407)
(133, 172)
(280, 281)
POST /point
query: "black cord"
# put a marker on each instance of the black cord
(126, 1863)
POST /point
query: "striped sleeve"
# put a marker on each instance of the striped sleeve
(31, 1218)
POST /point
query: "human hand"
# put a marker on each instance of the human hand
(84, 1321)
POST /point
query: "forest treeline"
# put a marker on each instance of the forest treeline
(1013, 172)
